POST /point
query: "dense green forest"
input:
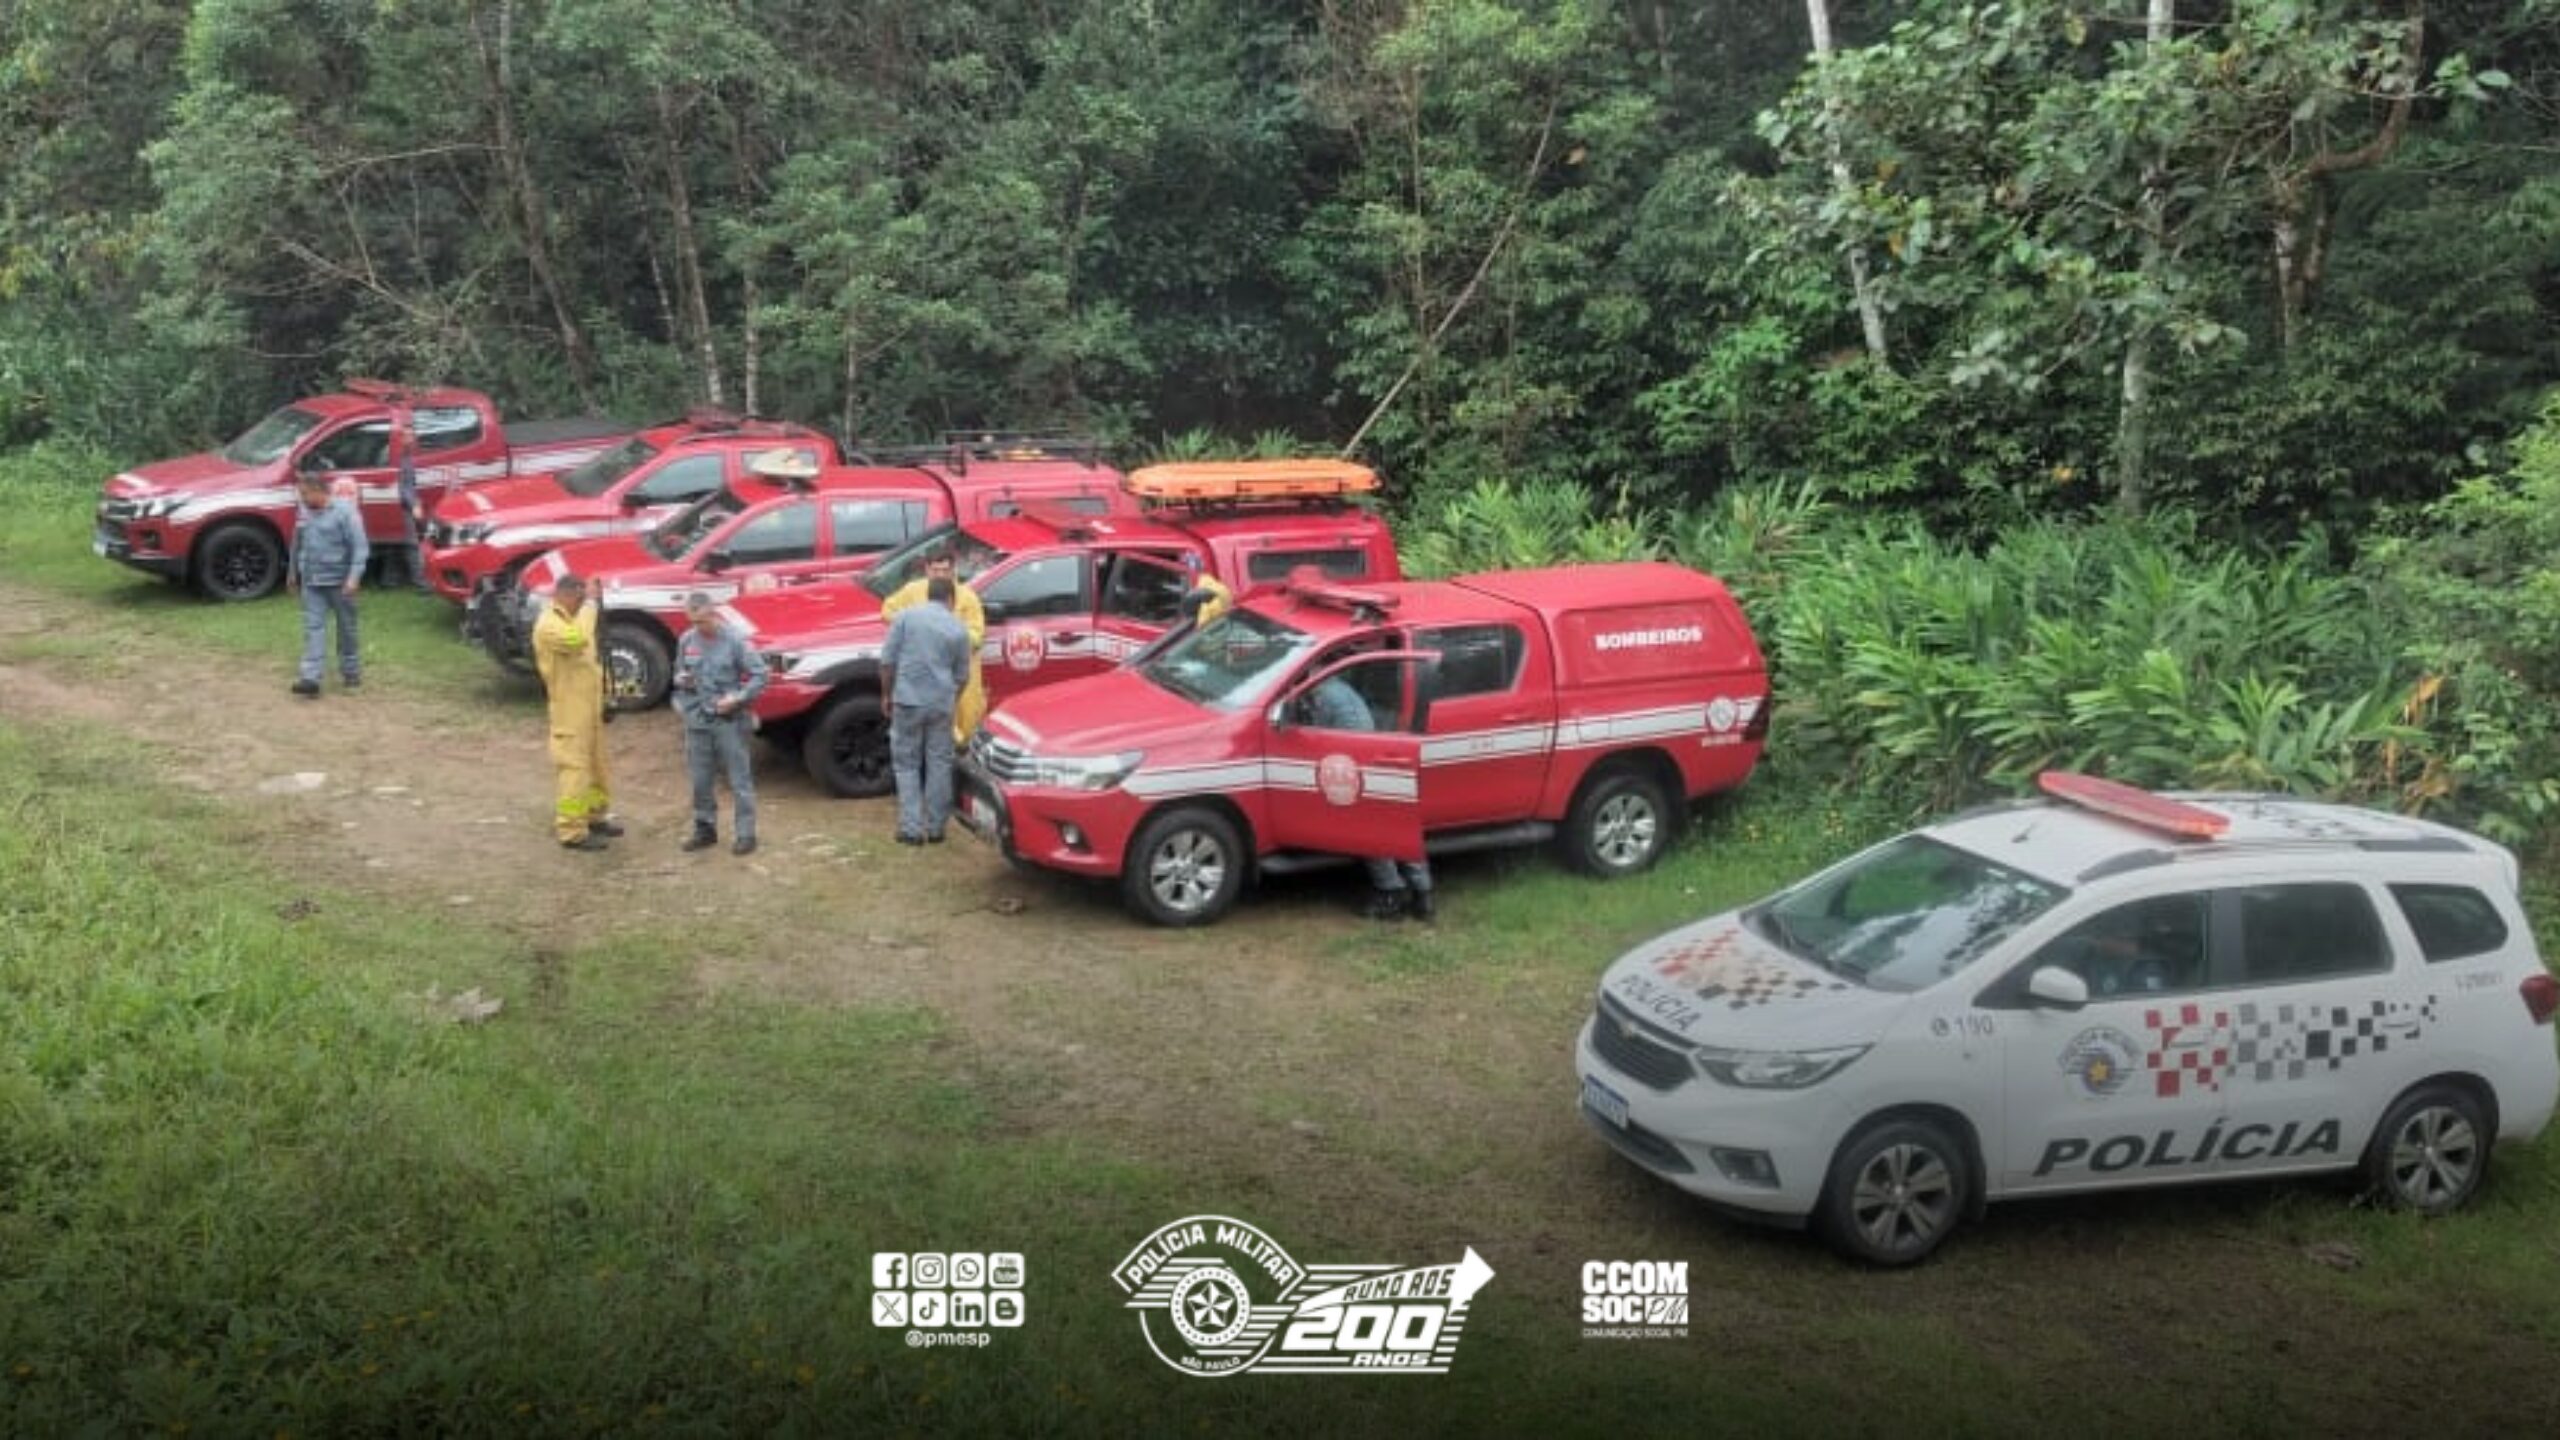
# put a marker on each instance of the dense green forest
(1813, 294)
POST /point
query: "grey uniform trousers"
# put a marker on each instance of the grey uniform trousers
(710, 750)
(920, 753)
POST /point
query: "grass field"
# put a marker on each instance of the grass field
(248, 1187)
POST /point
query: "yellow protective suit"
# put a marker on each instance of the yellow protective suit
(1221, 599)
(564, 650)
(973, 700)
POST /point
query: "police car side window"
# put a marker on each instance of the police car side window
(2143, 947)
(790, 533)
(1050, 585)
(868, 527)
(688, 479)
(446, 427)
(361, 447)
(1474, 659)
(2452, 922)
(2295, 933)
(1144, 588)
(1276, 565)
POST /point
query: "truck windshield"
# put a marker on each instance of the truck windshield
(679, 537)
(1903, 916)
(598, 475)
(1229, 663)
(270, 438)
(904, 565)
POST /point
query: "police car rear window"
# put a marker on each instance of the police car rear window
(1276, 565)
(2452, 922)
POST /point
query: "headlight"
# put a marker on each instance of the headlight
(472, 534)
(1094, 772)
(154, 507)
(1774, 1069)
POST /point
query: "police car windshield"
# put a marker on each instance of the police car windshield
(270, 438)
(906, 563)
(597, 475)
(1903, 916)
(679, 537)
(1229, 663)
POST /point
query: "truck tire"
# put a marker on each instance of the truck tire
(1895, 1190)
(1186, 867)
(240, 561)
(637, 667)
(847, 747)
(2431, 1150)
(1621, 823)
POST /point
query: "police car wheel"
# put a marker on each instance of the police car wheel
(637, 667)
(2431, 1150)
(1620, 824)
(1186, 867)
(239, 562)
(847, 747)
(1894, 1192)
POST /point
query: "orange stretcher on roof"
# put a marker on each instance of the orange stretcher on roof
(1252, 480)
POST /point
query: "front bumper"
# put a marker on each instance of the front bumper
(1675, 1133)
(785, 701)
(451, 572)
(1080, 832)
(140, 546)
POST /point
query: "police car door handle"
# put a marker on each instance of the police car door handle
(1067, 637)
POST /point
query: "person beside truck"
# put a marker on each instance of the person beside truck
(564, 652)
(716, 677)
(924, 666)
(971, 707)
(1397, 888)
(329, 552)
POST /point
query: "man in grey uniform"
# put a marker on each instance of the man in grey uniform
(329, 554)
(1397, 888)
(924, 665)
(716, 677)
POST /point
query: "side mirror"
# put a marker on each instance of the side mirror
(2052, 985)
(995, 610)
(633, 500)
(717, 561)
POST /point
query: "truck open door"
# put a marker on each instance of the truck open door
(1338, 786)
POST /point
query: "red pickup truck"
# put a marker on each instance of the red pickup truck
(1586, 704)
(1065, 596)
(488, 531)
(224, 519)
(765, 533)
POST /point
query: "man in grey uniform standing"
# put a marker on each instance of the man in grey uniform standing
(924, 664)
(329, 553)
(716, 677)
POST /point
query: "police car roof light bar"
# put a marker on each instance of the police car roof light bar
(2133, 805)
(1216, 481)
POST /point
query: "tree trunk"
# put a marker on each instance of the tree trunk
(697, 301)
(497, 69)
(1861, 281)
(2133, 407)
(852, 382)
(2301, 202)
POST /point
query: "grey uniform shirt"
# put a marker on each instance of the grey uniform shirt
(717, 668)
(329, 545)
(926, 657)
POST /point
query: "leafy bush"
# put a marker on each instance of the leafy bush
(1496, 525)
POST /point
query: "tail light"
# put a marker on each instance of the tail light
(1757, 728)
(2541, 997)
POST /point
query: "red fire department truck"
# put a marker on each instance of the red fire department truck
(224, 519)
(771, 531)
(1586, 704)
(487, 531)
(1065, 595)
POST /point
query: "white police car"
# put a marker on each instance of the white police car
(2102, 988)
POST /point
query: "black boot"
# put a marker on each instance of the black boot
(1419, 905)
(702, 838)
(1385, 905)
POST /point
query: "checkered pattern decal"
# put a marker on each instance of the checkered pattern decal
(2193, 1048)
(1710, 967)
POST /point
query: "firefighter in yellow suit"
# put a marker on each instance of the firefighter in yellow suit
(564, 650)
(973, 700)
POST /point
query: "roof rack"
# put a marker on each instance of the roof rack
(1225, 481)
(2133, 805)
(959, 447)
(1070, 524)
(388, 391)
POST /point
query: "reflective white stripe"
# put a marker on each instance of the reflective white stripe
(1488, 744)
(263, 499)
(1583, 733)
(559, 532)
(815, 661)
(662, 597)
(1390, 784)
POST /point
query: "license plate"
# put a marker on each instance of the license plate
(1604, 1102)
(982, 816)
(97, 547)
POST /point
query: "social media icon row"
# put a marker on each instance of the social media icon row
(933, 1270)
(954, 1309)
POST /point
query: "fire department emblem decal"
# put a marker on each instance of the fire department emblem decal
(2100, 1060)
(1025, 647)
(1338, 779)
(1722, 714)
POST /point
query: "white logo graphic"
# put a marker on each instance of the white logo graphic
(1722, 713)
(1338, 779)
(1635, 1299)
(947, 1299)
(1025, 647)
(1216, 1296)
